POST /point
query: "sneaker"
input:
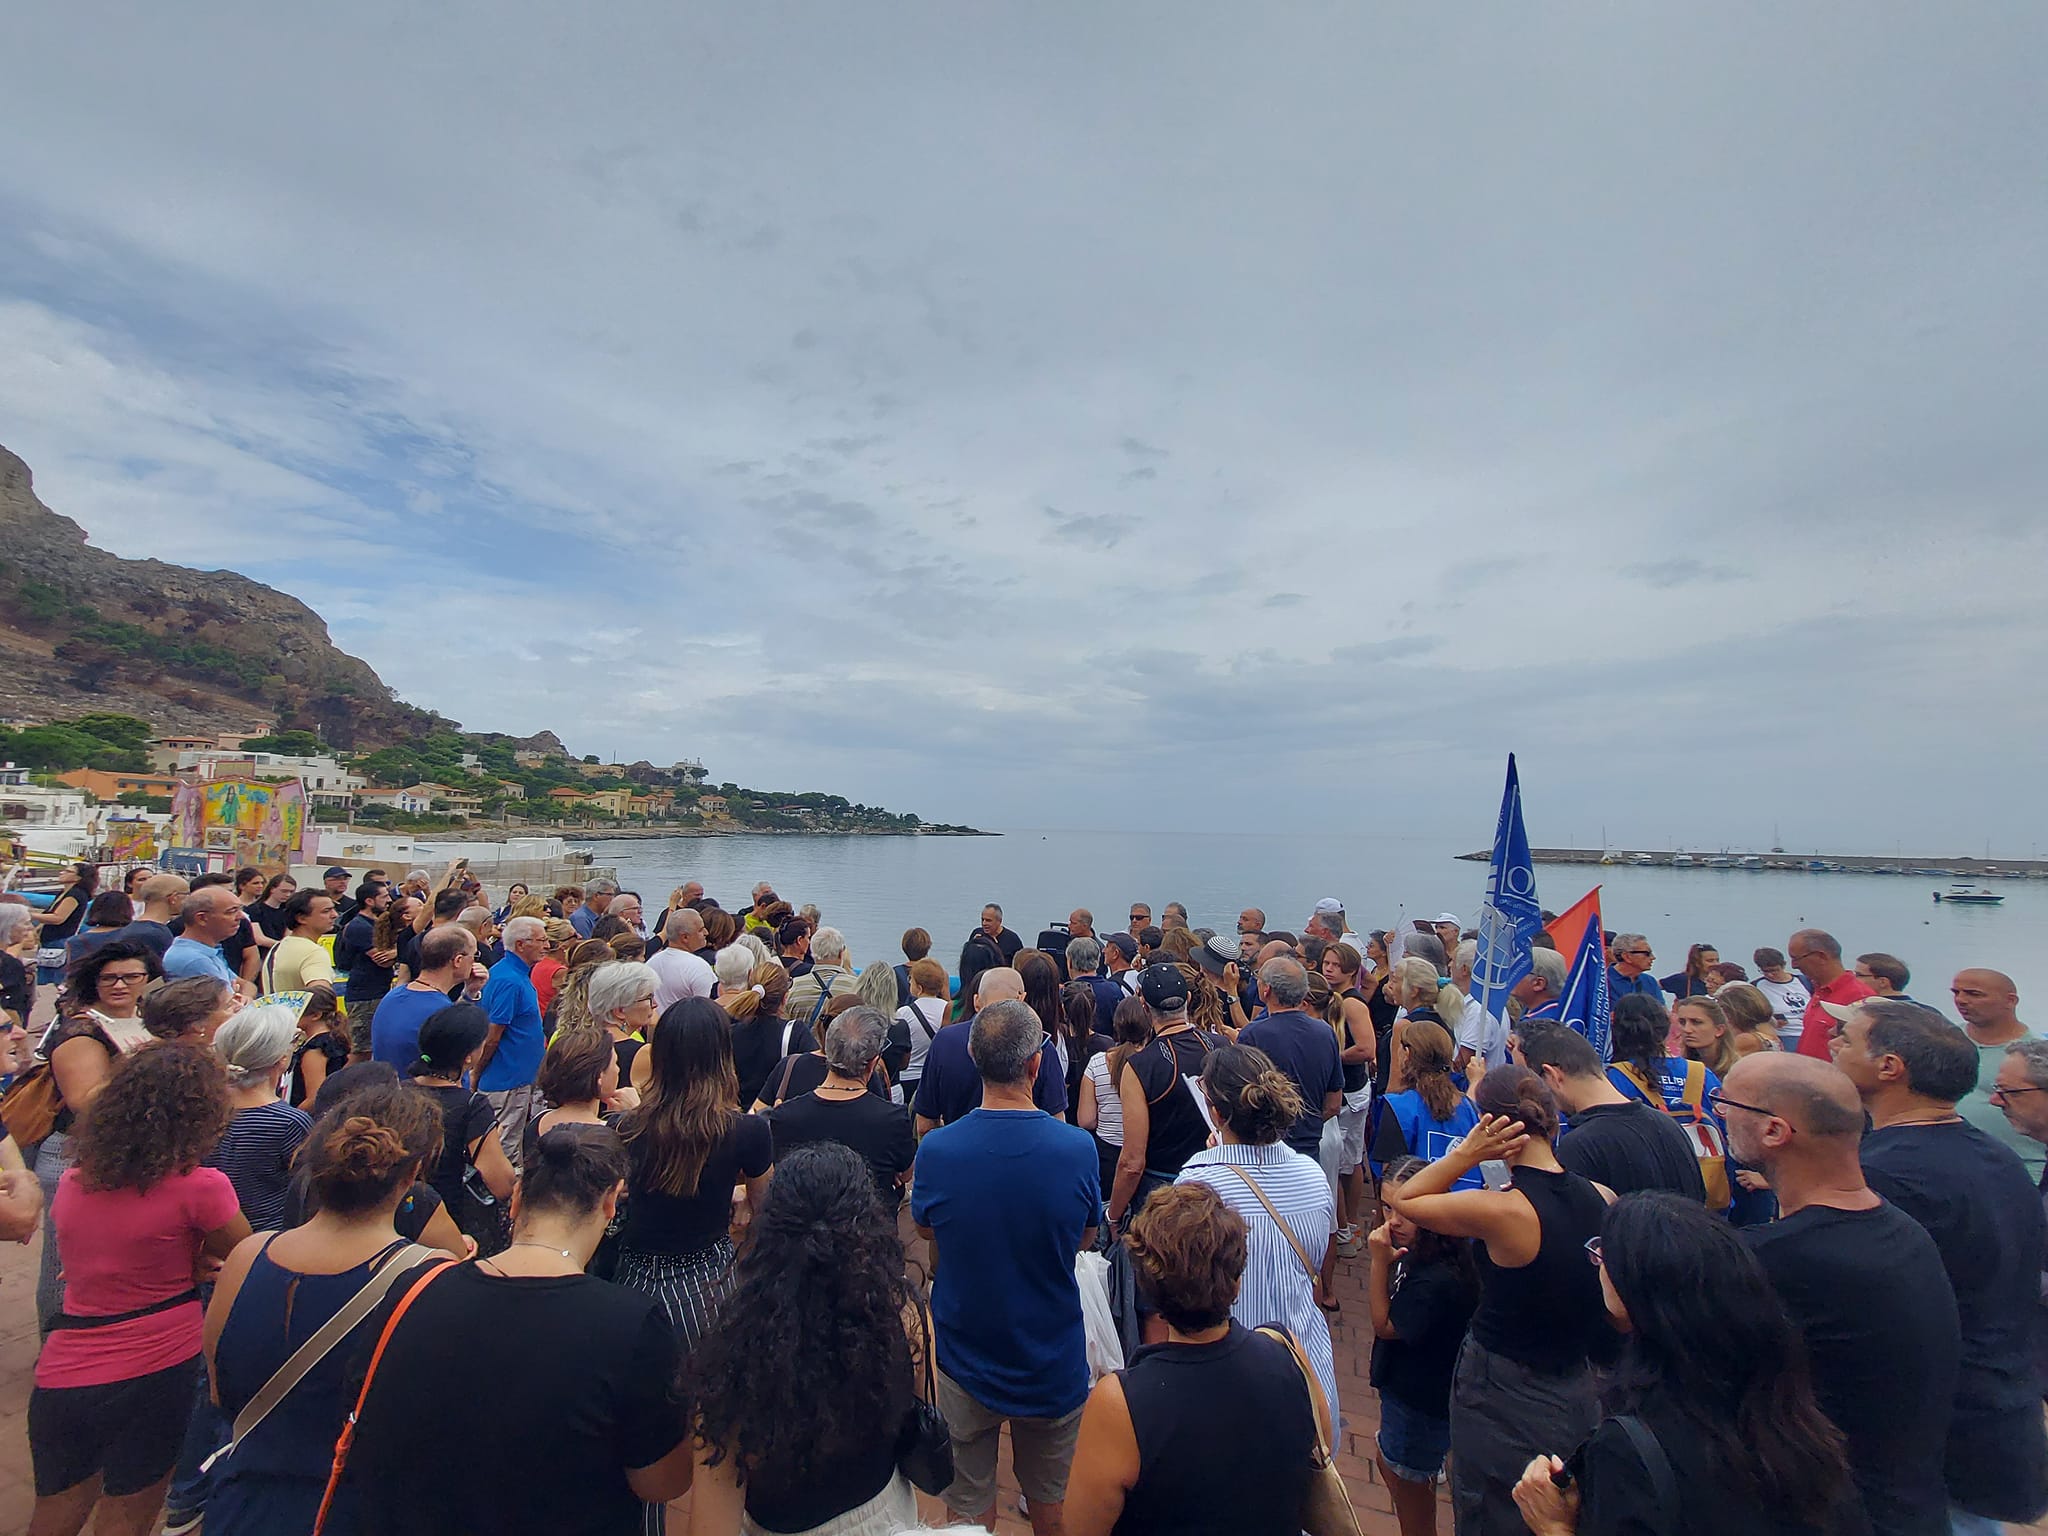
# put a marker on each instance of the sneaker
(1349, 1244)
(183, 1522)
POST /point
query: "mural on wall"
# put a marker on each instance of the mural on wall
(130, 842)
(259, 823)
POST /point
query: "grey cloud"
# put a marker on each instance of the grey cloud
(1096, 530)
(1284, 600)
(1680, 571)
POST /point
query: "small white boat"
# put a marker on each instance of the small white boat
(1962, 894)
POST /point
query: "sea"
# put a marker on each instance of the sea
(873, 888)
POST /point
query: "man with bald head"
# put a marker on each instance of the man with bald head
(1861, 1279)
(1911, 1065)
(950, 1089)
(1817, 955)
(679, 966)
(1988, 1003)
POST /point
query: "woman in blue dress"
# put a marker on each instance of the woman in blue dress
(278, 1288)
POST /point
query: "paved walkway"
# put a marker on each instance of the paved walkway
(1352, 1334)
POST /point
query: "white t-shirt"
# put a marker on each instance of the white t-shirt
(1109, 1109)
(680, 974)
(1788, 1001)
(1482, 1033)
(923, 1017)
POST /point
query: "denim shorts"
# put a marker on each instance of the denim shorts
(1412, 1443)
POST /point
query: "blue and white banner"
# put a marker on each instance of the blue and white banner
(1510, 918)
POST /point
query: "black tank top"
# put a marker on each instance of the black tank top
(1548, 1314)
(1225, 1436)
(1358, 1074)
(1178, 1130)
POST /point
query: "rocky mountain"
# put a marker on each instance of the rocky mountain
(85, 630)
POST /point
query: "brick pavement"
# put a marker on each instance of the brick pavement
(1352, 1335)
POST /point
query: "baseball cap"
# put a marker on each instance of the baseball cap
(1163, 987)
(1452, 918)
(1329, 906)
(1126, 945)
(1841, 1013)
(336, 870)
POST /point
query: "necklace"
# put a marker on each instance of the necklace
(842, 1088)
(1925, 1120)
(523, 1243)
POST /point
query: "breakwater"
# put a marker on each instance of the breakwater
(1925, 867)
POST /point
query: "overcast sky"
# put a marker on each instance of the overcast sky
(1074, 415)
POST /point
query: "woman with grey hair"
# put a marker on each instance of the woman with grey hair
(264, 1133)
(842, 1110)
(620, 997)
(17, 982)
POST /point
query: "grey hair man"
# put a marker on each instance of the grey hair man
(1542, 991)
(1303, 1047)
(1008, 1195)
(680, 962)
(2020, 1091)
(1911, 1066)
(842, 1109)
(207, 917)
(1173, 915)
(1633, 961)
(1860, 1277)
(597, 900)
(830, 971)
(1084, 964)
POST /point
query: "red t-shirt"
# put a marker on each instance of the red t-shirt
(545, 975)
(124, 1249)
(1820, 1024)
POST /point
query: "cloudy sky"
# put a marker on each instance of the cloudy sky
(1076, 415)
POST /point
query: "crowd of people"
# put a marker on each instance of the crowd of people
(382, 1206)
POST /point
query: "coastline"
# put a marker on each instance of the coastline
(633, 834)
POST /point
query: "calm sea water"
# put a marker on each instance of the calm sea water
(872, 888)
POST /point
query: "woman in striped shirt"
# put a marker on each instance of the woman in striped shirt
(1282, 1196)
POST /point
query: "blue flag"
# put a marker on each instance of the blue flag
(1584, 1005)
(1510, 917)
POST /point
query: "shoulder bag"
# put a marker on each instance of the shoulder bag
(1663, 1483)
(30, 1107)
(1326, 1508)
(348, 1429)
(315, 1349)
(1273, 1211)
(924, 1449)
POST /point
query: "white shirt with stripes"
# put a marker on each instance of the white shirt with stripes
(1275, 1288)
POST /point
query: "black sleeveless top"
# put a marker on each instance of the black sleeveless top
(1356, 1073)
(1178, 1130)
(1192, 1403)
(1548, 1315)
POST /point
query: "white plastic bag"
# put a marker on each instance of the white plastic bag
(1098, 1322)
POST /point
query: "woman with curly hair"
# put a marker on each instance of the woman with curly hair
(1146, 1462)
(572, 987)
(279, 1288)
(688, 1145)
(519, 1393)
(821, 1283)
(99, 1021)
(134, 1217)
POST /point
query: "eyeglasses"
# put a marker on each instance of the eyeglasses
(1593, 1253)
(123, 978)
(1647, 954)
(2010, 1093)
(1718, 1101)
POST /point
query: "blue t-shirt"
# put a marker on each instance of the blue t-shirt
(1305, 1048)
(1007, 1193)
(395, 1029)
(1619, 985)
(189, 957)
(951, 1086)
(514, 1006)
(583, 919)
(1670, 1081)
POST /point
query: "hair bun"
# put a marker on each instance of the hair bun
(363, 1149)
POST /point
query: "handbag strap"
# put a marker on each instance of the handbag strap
(931, 1364)
(1658, 1465)
(1286, 1231)
(782, 1083)
(1318, 1404)
(316, 1348)
(348, 1429)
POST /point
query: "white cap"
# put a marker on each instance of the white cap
(1329, 906)
(1452, 918)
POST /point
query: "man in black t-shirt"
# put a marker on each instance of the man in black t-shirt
(1860, 1277)
(1615, 1140)
(1302, 1046)
(1972, 1194)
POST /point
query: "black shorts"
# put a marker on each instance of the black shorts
(129, 1432)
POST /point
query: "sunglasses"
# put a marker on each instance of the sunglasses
(1593, 1253)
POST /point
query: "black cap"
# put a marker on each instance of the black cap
(1164, 988)
(1125, 944)
(336, 870)
(1216, 954)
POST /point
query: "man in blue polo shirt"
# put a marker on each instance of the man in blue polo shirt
(447, 955)
(1633, 960)
(207, 916)
(951, 1085)
(512, 1050)
(1008, 1195)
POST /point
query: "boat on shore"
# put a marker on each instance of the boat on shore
(1962, 894)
